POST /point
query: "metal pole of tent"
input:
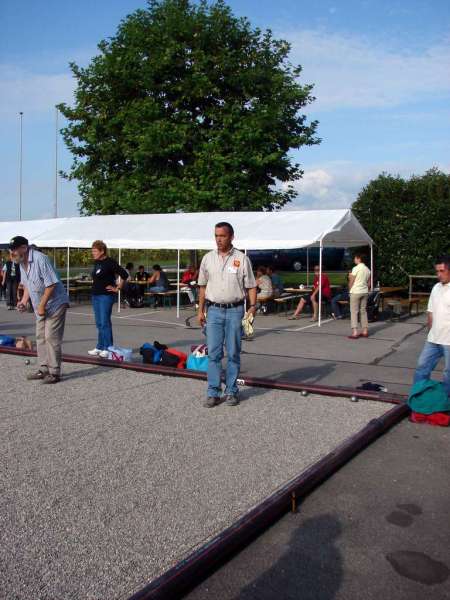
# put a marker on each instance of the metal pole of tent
(307, 265)
(371, 267)
(68, 269)
(245, 297)
(320, 283)
(178, 284)
(120, 295)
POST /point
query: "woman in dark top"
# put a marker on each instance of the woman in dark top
(104, 294)
(158, 282)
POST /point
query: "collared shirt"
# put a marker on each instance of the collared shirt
(361, 273)
(439, 306)
(226, 277)
(38, 275)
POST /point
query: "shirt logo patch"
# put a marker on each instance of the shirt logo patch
(236, 263)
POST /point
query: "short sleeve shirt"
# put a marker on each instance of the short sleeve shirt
(39, 275)
(361, 273)
(439, 306)
(226, 278)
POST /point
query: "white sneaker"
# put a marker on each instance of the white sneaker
(104, 354)
(94, 352)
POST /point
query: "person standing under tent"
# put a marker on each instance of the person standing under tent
(10, 282)
(359, 287)
(437, 345)
(50, 301)
(104, 294)
(225, 278)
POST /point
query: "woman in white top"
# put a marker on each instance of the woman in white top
(359, 287)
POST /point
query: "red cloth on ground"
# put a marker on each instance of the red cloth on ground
(326, 287)
(439, 418)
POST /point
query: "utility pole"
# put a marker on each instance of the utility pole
(20, 164)
(55, 207)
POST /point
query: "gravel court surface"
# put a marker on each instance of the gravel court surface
(110, 477)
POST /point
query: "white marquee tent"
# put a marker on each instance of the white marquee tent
(192, 231)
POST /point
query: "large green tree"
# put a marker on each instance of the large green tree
(187, 108)
(409, 221)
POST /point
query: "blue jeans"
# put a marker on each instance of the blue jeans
(429, 358)
(102, 305)
(335, 307)
(224, 325)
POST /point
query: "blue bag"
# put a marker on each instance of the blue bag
(7, 340)
(197, 363)
(150, 354)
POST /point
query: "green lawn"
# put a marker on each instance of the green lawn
(292, 279)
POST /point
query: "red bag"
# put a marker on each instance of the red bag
(438, 418)
(182, 357)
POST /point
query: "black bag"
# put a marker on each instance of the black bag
(168, 359)
(136, 302)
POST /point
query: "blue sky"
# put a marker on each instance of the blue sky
(381, 70)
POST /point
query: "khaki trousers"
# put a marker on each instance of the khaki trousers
(49, 336)
(358, 306)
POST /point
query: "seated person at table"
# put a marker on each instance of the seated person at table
(190, 275)
(158, 281)
(277, 282)
(141, 274)
(313, 298)
(336, 311)
(264, 284)
(188, 278)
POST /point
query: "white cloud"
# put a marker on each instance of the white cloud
(337, 184)
(350, 72)
(32, 93)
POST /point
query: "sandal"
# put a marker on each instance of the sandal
(294, 318)
(353, 337)
(366, 335)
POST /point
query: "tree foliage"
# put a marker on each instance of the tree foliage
(187, 108)
(409, 221)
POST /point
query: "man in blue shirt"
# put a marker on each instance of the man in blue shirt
(50, 302)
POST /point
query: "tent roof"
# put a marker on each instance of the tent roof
(190, 231)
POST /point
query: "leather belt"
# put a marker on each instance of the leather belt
(225, 304)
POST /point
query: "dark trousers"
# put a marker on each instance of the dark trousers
(335, 307)
(11, 292)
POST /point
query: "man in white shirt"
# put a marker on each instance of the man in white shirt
(438, 340)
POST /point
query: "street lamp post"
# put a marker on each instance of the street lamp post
(20, 164)
(55, 211)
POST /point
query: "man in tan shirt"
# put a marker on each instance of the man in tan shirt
(225, 277)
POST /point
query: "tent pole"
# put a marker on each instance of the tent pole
(371, 267)
(307, 265)
(320, 283)
(178, 284)
(68, 270)
(119, 296)
(245, 297)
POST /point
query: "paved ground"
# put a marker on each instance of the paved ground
(379, 527)
(112, 476)
(281, 349)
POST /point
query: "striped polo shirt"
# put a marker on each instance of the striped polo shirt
(38, 275)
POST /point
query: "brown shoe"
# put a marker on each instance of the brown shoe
(211, 401)
(51, 378)
(37, 375)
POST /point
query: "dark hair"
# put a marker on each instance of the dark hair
(360, 256)
(129, 266)
(141, 267)
(156, 268)
(444, 259)
(261, 269)
(225, 224)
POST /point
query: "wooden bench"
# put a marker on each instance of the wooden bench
(286, 301)
(166, 296)
(403, 302)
